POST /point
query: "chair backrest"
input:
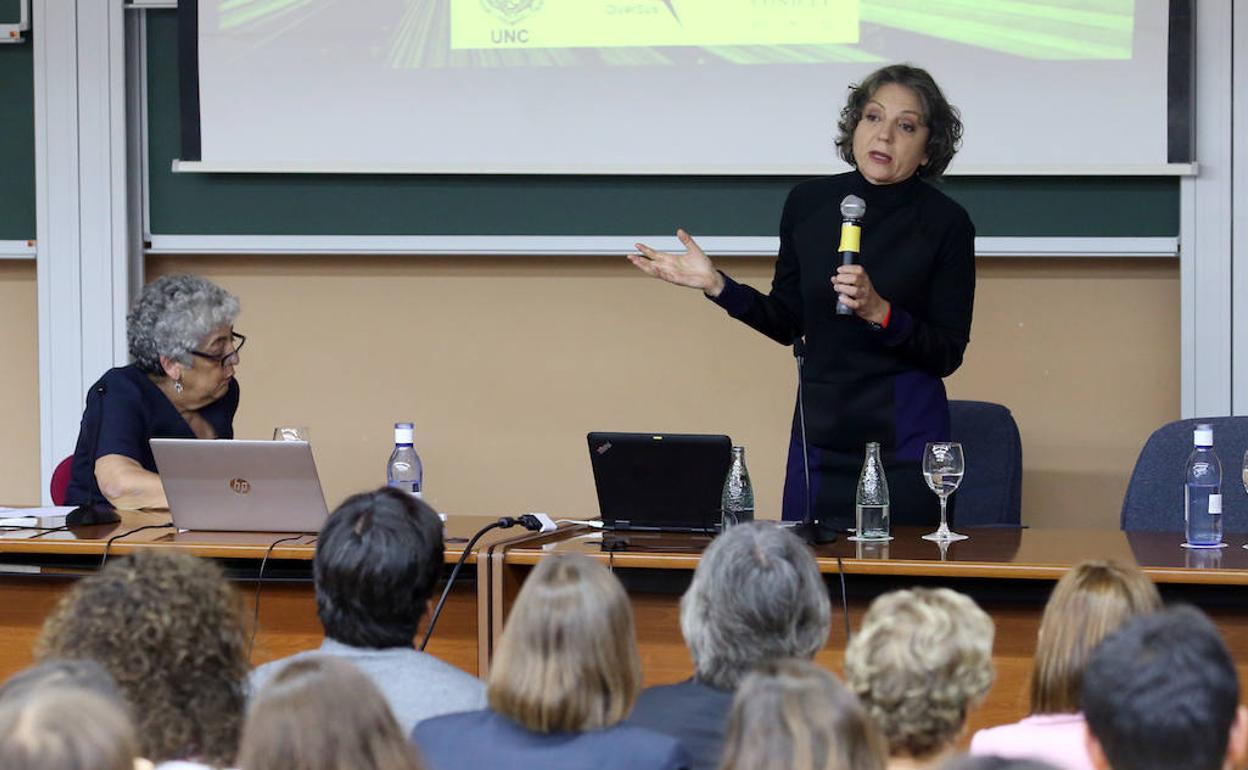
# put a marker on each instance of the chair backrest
(992, 491)
(1154, 498)
(58, 487)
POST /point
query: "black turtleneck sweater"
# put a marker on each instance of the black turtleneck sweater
(861, 383)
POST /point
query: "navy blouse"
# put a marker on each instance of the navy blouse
(127, 409)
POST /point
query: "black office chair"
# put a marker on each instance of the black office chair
(991, 494)
(1154, 498)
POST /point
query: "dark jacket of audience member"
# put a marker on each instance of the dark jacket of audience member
(564, 677)
(793, 715)
(1162, 693)
(378, 559)
(169, 629)
(757, 596)
(322, 713)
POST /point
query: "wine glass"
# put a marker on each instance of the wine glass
(290, 433)
(943, 466)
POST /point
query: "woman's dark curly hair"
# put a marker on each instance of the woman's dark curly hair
(943, 121)
(170, 630)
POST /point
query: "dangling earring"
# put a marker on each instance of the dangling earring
(177, 386)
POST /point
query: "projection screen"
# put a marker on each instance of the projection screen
(664, 86)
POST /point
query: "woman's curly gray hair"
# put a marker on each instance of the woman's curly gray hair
(172, 316)
(921, 661)
(756, 596)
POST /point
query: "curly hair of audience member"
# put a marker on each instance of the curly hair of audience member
(171, 631)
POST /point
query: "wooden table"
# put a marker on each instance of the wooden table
(36, 572)
(1009, 572)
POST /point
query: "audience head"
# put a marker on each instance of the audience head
(967, 762)
(65, 727)
(567, 660)
(79, 674)
(757, 595)
(169, 629)
(1162, 693)
(173, 316)
(792, 715)
(377, 560)
(1088, 603)
(298, 722)
(921, 661)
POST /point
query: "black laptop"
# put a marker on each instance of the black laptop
(659, 482)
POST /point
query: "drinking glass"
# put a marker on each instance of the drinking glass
(290, 433)
(943, 466)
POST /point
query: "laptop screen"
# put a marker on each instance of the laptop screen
(660, 481)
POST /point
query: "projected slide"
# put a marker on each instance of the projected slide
(664, 86)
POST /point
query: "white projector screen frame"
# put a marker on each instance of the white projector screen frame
(306, 92)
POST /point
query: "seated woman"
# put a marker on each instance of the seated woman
(564, 677)
(792, 715)
(181, 385)
(297, 722)
(1088, 603)
(921, 661)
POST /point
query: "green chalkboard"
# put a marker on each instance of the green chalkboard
(302, 204)
(17, 139)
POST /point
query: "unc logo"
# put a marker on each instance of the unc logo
(240, 486)
(512, 11)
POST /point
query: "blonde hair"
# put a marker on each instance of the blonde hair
(792, 715)
(298, 722)
(1090, 601)
(66, 728)
(567, 659)
(921, 661)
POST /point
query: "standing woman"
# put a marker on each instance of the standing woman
(181, 385)
(875, 375)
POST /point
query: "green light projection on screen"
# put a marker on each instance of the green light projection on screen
(486, 34)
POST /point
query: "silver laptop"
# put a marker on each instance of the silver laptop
(241, 486)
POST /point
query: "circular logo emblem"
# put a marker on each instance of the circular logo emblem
(240, 486)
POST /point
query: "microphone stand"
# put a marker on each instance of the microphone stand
(810, 529)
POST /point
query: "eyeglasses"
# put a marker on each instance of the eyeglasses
(225, 359)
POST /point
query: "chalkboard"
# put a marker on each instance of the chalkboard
(316, 204)
(17, 137)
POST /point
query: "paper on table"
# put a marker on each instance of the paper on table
(45, 516)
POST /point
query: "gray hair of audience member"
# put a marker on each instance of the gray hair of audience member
(62, 672)
(921, 661)
(171, 317)
(792, 715)
(66, 728)
(757, 595)
(967, 762)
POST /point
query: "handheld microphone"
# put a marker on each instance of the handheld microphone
(853, 209)
(94, 511)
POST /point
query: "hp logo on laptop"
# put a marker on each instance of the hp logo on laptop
(240, 486)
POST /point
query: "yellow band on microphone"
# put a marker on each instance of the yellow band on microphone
(851, 234)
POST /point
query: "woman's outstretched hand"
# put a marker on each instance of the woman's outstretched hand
(692, 268)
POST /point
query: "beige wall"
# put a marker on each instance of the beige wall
(19, 384)
(505, 363)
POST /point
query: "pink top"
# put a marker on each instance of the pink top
(1054, 738)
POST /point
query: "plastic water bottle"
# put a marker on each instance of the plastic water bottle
(1202, 492)
(871, 515)
(738, 497)
(404, 471)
